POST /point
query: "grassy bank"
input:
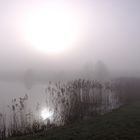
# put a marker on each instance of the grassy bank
(121, 124)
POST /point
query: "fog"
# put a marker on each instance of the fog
(110, 33)
(64, 40)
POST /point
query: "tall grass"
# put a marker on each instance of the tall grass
(79, 99)
(2, 126)
(70, 101)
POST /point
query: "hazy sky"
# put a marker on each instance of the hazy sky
(108, 30)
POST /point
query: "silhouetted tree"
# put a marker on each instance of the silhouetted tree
(101, 72)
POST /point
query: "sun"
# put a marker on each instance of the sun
(52, 29)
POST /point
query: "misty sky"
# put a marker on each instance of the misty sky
(109, 31)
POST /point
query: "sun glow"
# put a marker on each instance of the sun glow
(53, 29)
(46, 114)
